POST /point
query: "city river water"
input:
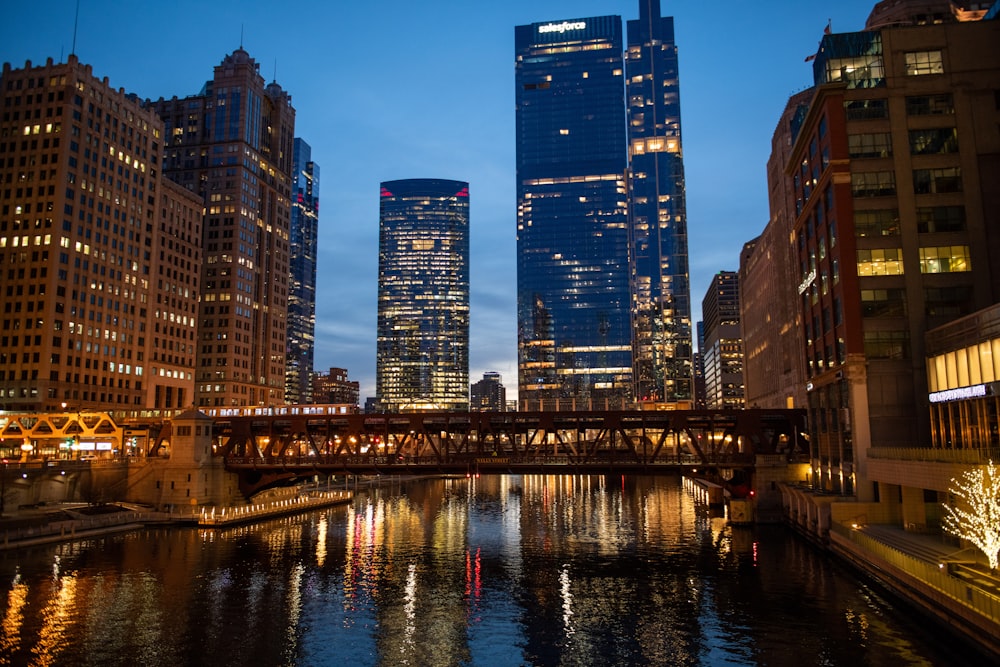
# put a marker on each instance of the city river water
(518, 570)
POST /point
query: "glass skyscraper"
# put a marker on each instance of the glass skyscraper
(661, 295)
(302, 278)
(604, 306)
(423, 296)
(574, 336)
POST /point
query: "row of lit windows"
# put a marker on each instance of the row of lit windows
(889, 261)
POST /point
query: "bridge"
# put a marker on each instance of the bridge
(272, 446)
(265, 446)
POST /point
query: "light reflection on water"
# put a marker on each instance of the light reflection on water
(517, 570)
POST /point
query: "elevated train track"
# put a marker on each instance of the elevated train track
(262, 446)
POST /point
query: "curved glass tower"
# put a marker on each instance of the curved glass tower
(423, 296)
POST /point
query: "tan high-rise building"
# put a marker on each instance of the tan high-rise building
(96, 312)
(232, 145)
(894, 169)
(773, 368)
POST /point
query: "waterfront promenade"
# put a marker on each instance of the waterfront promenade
(60, 522)
(953, 585)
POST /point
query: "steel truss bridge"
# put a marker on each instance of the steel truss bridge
(266, 447)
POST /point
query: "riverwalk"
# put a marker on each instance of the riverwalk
(953, 585)
(60, 522)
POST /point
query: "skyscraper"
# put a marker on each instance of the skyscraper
(232, 145)
(489, 394)
(661, 299)
(722, 353)
(99, 253)
(423, 296)
(574, 334)
(302, 290)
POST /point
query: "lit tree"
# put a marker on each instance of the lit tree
(977, 517)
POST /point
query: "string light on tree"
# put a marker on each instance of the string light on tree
(976, 517)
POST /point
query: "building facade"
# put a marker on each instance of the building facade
(894, 165)
(573, 305)
(660, 284)
(723, 353)
(232, 145)
(489, 394)
(422, 349)
(98, 254)
(770, 322)
(334, 388)
(302, 288)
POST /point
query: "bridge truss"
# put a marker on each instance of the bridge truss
(509, 442)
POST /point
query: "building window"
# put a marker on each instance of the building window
(950, 302)
(878, 144)
(930, 105)
(945, 259)
(878, 222)
(883, 303)
(880, 262)
(936, 181)
(931, 219)
(924, 62)
(887, 345)
(933, 141)
(866, 109)
(873, 184)
(865, 71)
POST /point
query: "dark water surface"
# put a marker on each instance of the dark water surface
(513, 570)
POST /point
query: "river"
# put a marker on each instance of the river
(513, 570)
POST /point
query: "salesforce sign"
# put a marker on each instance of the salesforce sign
(561, 27)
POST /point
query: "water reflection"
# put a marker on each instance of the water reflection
(516, 570)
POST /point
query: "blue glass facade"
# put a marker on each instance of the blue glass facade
(574, 338)
(661, 299)
(423, 296)
(302, 275)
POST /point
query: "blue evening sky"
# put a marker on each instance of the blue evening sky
(402, 89)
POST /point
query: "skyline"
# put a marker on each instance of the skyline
(439, 103)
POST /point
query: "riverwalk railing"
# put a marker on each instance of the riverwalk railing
(225, 516)
(81, 526)
(72, 527)
(977, 599)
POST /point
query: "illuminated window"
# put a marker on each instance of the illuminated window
(945, 259)
(880, 262)
(924, 62)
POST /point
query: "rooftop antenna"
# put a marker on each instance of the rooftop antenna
(241, 35)
(76, 22)
(275, 79)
